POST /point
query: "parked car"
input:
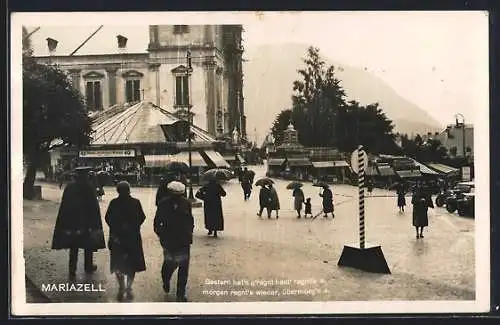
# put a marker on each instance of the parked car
(465, 205)
(456, 194)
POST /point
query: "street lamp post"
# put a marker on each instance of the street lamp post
(463, 131)
(189, 69)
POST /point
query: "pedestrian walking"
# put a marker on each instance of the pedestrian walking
(298, 196)
(401, 201)
(246, 183)
(308, 208)
(274, 203)
(327, 196)
(174, 226)
(211, 195)
(264, 201)
(421, 203)
(369, 185)
(124, 218)
(162, 191)
(78, 224)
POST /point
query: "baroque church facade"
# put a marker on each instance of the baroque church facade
(185, 66)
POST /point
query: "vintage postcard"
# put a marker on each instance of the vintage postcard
(249, 163)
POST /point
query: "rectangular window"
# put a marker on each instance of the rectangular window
(181, 29)
(93, 94)
(181, 90)
(133, 91)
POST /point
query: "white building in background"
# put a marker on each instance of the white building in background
(453, 138)
(214, 86)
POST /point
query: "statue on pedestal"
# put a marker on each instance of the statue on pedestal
(236, 136)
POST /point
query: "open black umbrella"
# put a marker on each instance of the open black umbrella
(321, 184)
(218, 174)
(264, 181)
(294, 185)
(177, 166)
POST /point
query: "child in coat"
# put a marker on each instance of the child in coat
(308, 208)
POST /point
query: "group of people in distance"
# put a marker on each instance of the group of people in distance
(79, 226)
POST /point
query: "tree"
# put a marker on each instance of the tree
(316, 101)
(52, 110)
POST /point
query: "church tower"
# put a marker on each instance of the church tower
(208, 80)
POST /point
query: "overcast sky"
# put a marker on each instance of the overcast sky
(438, 60)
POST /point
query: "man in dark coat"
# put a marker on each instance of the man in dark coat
(211, 195)
(78, 223)
(124, 218)
(174, 226)
(246, 183)
(264, 201)
(170, 176)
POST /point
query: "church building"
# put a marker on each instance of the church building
(196, 67)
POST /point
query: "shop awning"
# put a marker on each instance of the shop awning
(426, 170)
(229, 157)
(330, 164)
(444, 169)
(157, 160)
(299, 162)
(275, 161)
(196, 159)
(409, 173)
(217, 159)
(163, 160)
(385, 170)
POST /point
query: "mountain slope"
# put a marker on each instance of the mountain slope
(271, 70)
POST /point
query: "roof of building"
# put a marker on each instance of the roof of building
(139, 123)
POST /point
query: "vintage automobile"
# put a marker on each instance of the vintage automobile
(465, 205)
(443, 196)
(457, 194)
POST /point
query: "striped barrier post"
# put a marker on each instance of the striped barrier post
(361, 187)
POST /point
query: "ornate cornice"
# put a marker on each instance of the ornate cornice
(132, 74)
(94, 75)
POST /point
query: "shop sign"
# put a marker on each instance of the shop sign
(107, 153)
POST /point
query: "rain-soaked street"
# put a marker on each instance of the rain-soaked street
(285, 259)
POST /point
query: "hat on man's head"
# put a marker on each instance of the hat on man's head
(123, 187)
(176, 187)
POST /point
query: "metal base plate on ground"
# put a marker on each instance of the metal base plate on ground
(369, 259)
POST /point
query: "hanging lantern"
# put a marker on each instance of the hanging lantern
(52, 44)
(122, 41)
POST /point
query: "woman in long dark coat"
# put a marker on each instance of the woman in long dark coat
(211, 195)
(298, 200)
(264, 201)
(124, 218)
(327, 196)
(421, 203)
(78, 224)
(274, 203)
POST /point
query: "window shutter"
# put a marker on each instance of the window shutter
(97, 95)
(185, 90)
(178, 90)
(128, 91)
(89, 93)
(137, 90)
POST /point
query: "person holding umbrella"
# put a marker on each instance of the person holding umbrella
(274, 203)
(211, 195)
(298, 196)
(421, 203)
(327, 196)
(78, 224)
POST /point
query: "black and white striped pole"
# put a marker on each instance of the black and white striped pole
(362, 256)
(361, 188)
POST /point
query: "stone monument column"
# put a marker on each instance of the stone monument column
(210, 67)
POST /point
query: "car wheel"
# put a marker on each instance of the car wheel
(440, 201)
(451, 207)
